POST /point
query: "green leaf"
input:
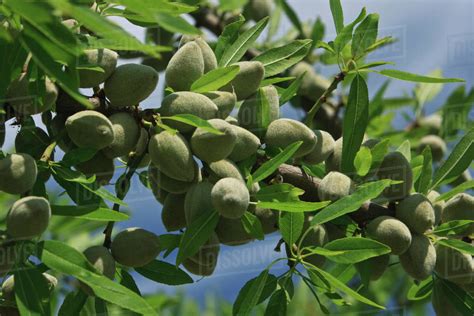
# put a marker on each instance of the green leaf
(228, 36)
(176, 24)
(291, 14)
(196, 235)
(405, 149)
(77, 155)
(43, 53)
(459, 189)
(373, 65)
(351, 203)
(365, 35)
(90, 212)
(110, 34)
(363, 161)
(458, 161)
(252, 225)
(460, 299)
(269, 167)
(352, 250)
(424, 181)
(282, 192)
(277, 304)
(420, 291)
(165, 273)
(126, 279)
(291, 226)
(31, 292)
(71, 175)
(344, 37)
(151, 7)
(215, 79)
(12, 58)
(337, 14)
(291, 91)
(195, 121)
(329, 278)
(231, 5)
(237, 50)
(293, 206)
(459, 245)
(103, 193)
(275, 80)
(402, 75)
(65, 259)
(73, 303)
(317, 33)
(452, 228)
(277, 60)
(356, 119)
(254, 292)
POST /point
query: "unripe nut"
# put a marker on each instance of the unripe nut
(334, 186)
(135, 247)
(391, 232)
(28, 217)
(416, 212)
(230, 198)
(90, 129)
(18, 173)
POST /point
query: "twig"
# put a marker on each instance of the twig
(312, 112)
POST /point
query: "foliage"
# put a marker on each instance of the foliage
(46, 42)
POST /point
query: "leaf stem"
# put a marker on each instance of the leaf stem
(322, 99)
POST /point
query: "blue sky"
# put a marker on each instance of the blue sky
(432, 34)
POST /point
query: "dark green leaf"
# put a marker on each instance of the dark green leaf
(277, 304)
(355, 123)
(457, 244)
(282, 192)
(459, 189)
(237, 50)
(420, 291)
(73, 303)
(252, 225)
(91, 212)
(352, 250)
(365, 35)
(458, 161)
(62, 258)
(452, 228)
(351, 203)
(337, 14)
(31, 292)
(294, 206)
(78, 155)
(327, 277)
(193, 121)
(254, 292)
(126, 279)
(345, 35)
(291, 226)
(402, 75)
(424, 181)
(215, 79)
(291, 91)
(269, 167)
(196, 235)
(165, 273)
(228, 36)
(277, 60)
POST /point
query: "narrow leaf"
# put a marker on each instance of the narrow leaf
(252, 225)
(291, 226)
(337, 14)
(458, 161)
(402, 75)
(193, 121)
(215, 79)
(294, 206)
(351, 203)
(355, 122)
(238, 49)
(165, 273)
(269, 167)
